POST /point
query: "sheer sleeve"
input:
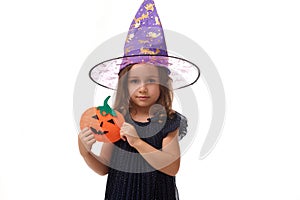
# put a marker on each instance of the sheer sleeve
(177, 121)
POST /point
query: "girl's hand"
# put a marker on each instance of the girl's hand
(86, 139)
(129, 133)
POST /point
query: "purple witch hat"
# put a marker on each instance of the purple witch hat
(145, 43)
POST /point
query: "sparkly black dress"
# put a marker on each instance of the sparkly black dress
(130, 177)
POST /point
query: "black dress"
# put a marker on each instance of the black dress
(130, 177)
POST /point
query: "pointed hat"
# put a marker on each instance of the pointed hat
(145, 43)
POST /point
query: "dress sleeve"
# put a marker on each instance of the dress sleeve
(178, 121)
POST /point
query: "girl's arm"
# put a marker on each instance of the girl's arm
(99, 164)
(166, 160)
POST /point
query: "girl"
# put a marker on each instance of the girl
(144, 163)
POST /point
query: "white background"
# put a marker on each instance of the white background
(254, 44)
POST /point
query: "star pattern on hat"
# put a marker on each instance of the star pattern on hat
(149, 52)
(149, 6)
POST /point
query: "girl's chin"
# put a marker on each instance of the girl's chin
(142, 105)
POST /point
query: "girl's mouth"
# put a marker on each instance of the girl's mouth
(143, 98)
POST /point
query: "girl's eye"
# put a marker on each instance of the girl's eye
(134, 81)
(151, 80)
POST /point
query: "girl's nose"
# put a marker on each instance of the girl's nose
(143, 88)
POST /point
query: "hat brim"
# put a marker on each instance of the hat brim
(183, 72)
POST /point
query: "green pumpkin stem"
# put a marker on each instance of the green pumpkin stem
(106, 109)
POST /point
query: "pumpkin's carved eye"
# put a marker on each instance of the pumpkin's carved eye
(95, 117)
(111, 121)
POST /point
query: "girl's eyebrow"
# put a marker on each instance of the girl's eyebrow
(146, 76)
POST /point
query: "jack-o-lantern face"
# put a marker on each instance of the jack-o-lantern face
(104, 122)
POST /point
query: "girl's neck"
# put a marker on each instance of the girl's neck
(140, 114)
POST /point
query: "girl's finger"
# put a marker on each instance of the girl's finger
(89, 137)
(123, 138)
(91, 142)
(122, 135)
(85, 129)
(87, 133)
(83, 132)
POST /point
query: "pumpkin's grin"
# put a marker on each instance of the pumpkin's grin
(98, 132)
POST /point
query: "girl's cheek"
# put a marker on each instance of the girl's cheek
(131, 91)
(154, 87)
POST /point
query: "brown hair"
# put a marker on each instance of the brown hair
(122, 99)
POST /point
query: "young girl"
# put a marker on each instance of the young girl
(144, 163)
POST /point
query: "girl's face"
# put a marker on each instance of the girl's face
(143, 85)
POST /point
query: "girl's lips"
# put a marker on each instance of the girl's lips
(143, 97)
